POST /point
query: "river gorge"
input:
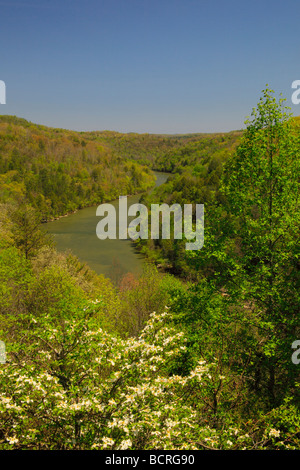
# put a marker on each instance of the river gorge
(112, 258)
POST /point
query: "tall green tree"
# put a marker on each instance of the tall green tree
(26, 229)
(261, 187)
(251, 248)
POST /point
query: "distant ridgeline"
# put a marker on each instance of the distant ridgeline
(59, 171)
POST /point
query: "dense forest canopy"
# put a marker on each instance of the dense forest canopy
(197, 352)
(59, 171)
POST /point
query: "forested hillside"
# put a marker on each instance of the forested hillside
(204, 359)
(168, 152)
(197, 170)
(59, 171)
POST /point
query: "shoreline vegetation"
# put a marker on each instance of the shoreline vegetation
(111, 200)
(60, 217)
(198, 357)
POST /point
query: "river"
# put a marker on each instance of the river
(77, 233)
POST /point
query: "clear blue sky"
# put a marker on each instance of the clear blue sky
(157, 66)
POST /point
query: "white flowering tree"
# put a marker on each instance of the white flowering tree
(74, 386)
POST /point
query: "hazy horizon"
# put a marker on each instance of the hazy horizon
(157, 67)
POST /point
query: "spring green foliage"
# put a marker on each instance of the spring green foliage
(170, 153)
(261, 186)
(58, 171)
(197, 168)
(93, 364)
(245, 306)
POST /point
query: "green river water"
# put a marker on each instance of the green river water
(77, 233)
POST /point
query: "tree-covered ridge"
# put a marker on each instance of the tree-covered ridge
(197, 178)
(92, 365)
(165, 152)
(59, 171)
